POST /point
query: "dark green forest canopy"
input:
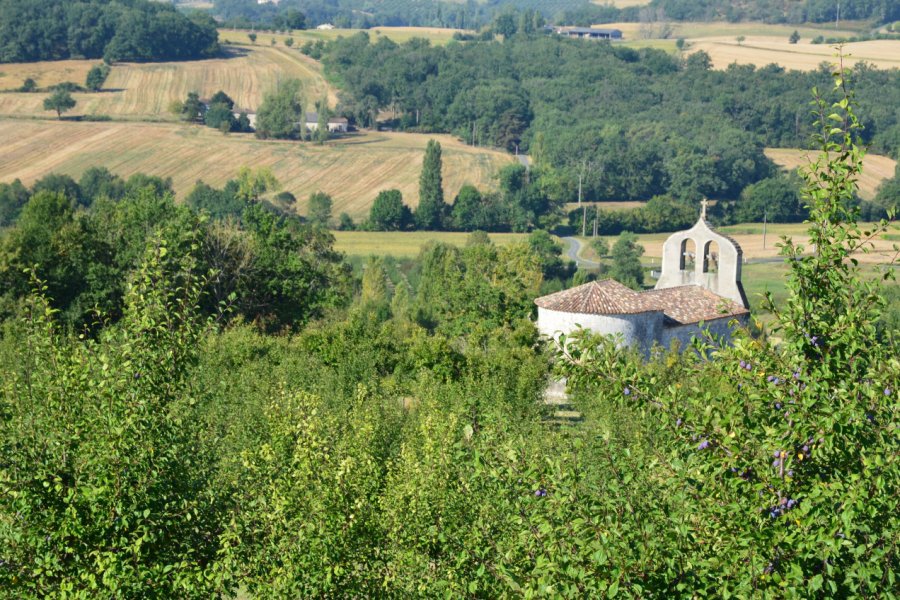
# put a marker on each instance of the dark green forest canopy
(135, 30)
(473, 14)
(634, 123)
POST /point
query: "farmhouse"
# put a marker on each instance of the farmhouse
(325, 26)
(335, 124)
(589, 33)
(690, 296)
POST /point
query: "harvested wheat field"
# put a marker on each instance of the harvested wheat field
(436, 35)
(352, 170)
(698, 31)
(45, 73)
(146, 90)
(875, 168)
(803, 56)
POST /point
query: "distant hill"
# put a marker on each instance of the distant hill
(472, 14)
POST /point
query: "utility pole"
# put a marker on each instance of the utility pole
(596, 217)
(583, 221)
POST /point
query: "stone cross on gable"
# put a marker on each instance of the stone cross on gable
(703, 204)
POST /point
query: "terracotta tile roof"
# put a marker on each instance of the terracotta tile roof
(691, 304)
(607, 297)
(681, 305)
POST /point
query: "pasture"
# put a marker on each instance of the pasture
(875, 168)
(406, 244)
(352, 170)
(144, 91)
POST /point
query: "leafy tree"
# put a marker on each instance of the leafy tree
(192, 109)
(29, 85)
(776, 198)
(549, 252)
(431, 209)
(289, 42)
(99, 182)
(61, 101)
(319, 211)
(345, 222)
(252, 37)
(251, 184)
(221, 117)
(322, 133)
(388, 213)
(96, 77)
(887, 198)
(374, 283)
(280, 114)
(795, 37)
(600, 246)
(13, 197)
(626, 261)
(221, 97)
(219, 204)
(156, 186)
(63, 185)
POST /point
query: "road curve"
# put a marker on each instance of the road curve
(574, 247)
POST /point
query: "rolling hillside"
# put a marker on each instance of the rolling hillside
(144, 91)
(352, 170)
(875, 168)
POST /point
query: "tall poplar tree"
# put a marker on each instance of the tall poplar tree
(431, 209)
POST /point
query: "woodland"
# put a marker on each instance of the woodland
(608, 122)
(115, 30)
(474, 14)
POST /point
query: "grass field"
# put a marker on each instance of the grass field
(405, 244)
(143, 91)
(875, 168)
(353, 170)
(436, 35)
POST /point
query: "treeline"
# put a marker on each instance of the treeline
(129, 30)
(617, 123)
(364, 14)
(86, 237)
(779, 11)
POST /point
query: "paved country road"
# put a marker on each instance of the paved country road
(573, 250)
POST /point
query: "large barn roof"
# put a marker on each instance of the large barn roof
(681, 305)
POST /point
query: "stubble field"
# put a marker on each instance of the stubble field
(144, 91)
(352, 170)
(763, 44)
(875, 168)
(436, 35)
